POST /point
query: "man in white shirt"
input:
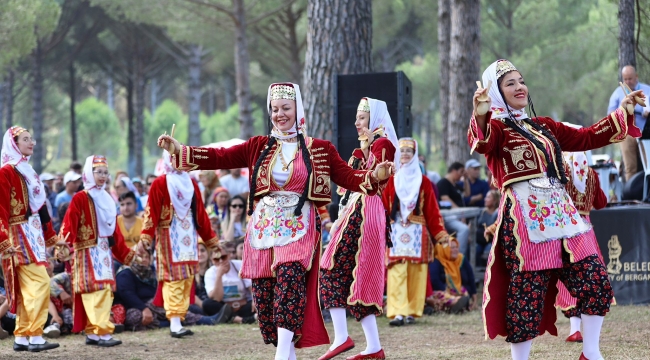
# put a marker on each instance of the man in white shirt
(226, 288)
(235, 183)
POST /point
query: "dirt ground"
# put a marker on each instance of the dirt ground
(626, 335)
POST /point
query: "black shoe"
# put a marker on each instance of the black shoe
(19, 347)
(223, 316)
(109, 342)
(396, 322)
(42, 347)
(90, 341)
(460, 305)
(410, 320)
(180, 333)
(118, 328)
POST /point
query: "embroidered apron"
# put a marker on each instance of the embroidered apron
(548, 210)
(407, 238)
(184, 239)
(33, 231)
(102, 260)
(273, 222)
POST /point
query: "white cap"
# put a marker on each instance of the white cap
(472, 163)
(46, 176)
(70, 176)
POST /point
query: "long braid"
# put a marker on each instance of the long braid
(396, 205)
(306, 158)
(559, 163)
(355, 165)
(251, 194)
(550, 169)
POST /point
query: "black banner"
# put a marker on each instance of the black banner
(624, 238)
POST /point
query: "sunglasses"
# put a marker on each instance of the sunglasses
(235, 206)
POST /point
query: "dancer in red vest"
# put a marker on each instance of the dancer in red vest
(290, 177)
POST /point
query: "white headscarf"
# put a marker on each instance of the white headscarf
(498, 107)
(407, 182)
(11, 155)
(179, 185)
(578, 165)
(299, 126)
(129, 185)
(379, 116)
(104, 204)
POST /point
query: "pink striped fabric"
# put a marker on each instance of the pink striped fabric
(262, 263)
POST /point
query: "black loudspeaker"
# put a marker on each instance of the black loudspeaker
(393, 88)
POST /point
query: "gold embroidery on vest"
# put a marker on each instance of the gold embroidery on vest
(85, 231)
(16, 205)
(519, 154)
(165, 213)
(147, 223)
(323, 183)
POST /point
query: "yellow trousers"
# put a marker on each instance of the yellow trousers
(98, 311)
(407, 288)
(176, 295)
(33, 301)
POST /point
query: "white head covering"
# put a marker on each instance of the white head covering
(11, 155)
(493, 72)
(179, 185)
(379, 117)
(285, 89)
(104, 204)
(578, 165)
(407, 181)
(129, 185)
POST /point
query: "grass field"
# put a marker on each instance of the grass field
(626, 335)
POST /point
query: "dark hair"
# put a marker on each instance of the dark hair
(237, 197)
(455, 166)
(62, 209)
(396, 206)
(76, 166)
(128, 195)
(553, 170)
(306, 158)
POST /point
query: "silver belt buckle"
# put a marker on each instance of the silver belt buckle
(545, 183)
(283, 201)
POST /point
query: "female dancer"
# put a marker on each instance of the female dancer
(353, 263)
(584, 189)
(539, 236)
(25, 231)
(89, 227)
(173, 217)
(411, 202)
(290, 175)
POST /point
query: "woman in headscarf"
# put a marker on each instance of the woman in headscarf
(452, 279)
(540, 236)
(584, 189)
(290, 174)
(416, 225)
(127, 185)
(25, 232)
(220, 198)
(89, 228)
(173, 217)
(353, 262)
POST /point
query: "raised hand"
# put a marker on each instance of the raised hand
(166, 142)
(383, 170)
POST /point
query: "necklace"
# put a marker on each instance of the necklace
(285, 166)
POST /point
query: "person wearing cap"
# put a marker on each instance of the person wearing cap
(474, 188)
(71, 181)
(48, 182)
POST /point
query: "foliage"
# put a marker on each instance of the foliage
(100, 130)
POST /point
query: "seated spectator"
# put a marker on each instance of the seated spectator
(219, 202)
(486, 218)
(144, 198)
(452, 195)
(60, 307)
(123, 185)
(72, 181)
(474, 188)
(452, 279)
(135, 290)
(129, 224)
(137, 182)
(226, 288)
(235, 224)
(7, 319)
(235, 183)
(200, 294)
(239, 248)
(61, 210)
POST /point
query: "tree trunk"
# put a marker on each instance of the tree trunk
(73, 118)
(444, 42)
(464, 60)
(430, 128)
(9, 102)
(3, 91)
(242, 73)
(110, 94)
(626, 54)
(211, 95)
(227, 91)
(194, 95)
(153, 103)
(37, 108)
(339, 42)
(294, 45)
(138, 136)
(130, 126)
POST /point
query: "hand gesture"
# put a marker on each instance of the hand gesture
(383, 170)
(66, 298)
(168, 143)
(147, 316)
(633, 98)
(11, 251)
(481, 97)
(223, 267)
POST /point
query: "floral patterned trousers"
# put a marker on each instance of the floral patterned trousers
(281, 301)
(335, 284)
(586, 280)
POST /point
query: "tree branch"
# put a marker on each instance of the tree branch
(271, 12)
(214, 6)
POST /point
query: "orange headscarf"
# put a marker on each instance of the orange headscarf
(451, 266)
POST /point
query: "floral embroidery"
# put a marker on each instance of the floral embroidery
(551, 212)
(6, 158)
(295, 224)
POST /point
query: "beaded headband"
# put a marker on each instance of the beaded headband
(504, 67)
(364, 105)
(99, 160)
(407, 143)
(283, 91)
(17, 130)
